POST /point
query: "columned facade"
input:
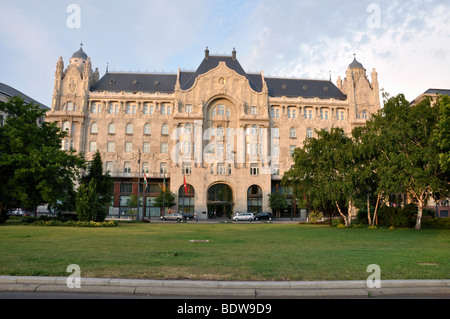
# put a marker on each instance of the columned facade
(227, 133)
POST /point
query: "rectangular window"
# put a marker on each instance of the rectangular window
(254, 110)
(93, 147)
(145, 168)
(111, 147)
(126, 187)
(254, 170)
(146, 148)
(292, 148)
(221, 169)
(189, 108)
(163, 168)
(187, 169)
(109, 167)
(128, 147)
(127, 169)
(164, 148)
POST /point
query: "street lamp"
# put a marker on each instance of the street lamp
(139, 185)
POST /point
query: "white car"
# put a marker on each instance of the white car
(244, 216)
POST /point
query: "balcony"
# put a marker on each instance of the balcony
(136, 175)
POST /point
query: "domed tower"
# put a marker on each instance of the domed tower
(362, 95)
(79, 59)
(72, 85)
(70, 104)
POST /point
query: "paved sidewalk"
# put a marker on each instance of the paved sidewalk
(232, 290)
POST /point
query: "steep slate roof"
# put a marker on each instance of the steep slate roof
(212, 62)
(8, 92)
(165, 83)
(136, 82)
(438, 91)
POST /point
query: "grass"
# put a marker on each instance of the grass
(234, 252)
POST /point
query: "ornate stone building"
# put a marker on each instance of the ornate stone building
(228, 133)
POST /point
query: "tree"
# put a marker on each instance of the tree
(409, 156)
(277, 202)
(442, 132)
(366, 179)
(87, 206)
(164, 199)
(33, 168)
(323, 172)
(104, 186)
(132, 202)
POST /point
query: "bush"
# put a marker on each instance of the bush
(72, 223)
(436, 223)
(315, 217)
(397, 216)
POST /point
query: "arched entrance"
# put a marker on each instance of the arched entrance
(186, 199)
(254, 199)
(220, 201)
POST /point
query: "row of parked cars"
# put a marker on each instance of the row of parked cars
(237, 217)
(251, 216)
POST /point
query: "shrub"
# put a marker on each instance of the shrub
(72, 223)
(315, 217)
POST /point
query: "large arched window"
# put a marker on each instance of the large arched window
(186, 199)
(254, 199)
(130, 129)
(220, 201)
(94, 128)
(112, 128)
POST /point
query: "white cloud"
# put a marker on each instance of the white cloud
(285, 37)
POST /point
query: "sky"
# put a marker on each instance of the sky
(407, 42)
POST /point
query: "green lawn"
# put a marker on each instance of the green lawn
(235, 252)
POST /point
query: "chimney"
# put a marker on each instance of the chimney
(234, 54)
(207, 53)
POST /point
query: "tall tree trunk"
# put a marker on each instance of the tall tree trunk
(419, 215)
(375, 217)
(368, 210)
(347, 219)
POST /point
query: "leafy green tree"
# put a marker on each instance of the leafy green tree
(277, 202)
(409, 156)
(104, 186)
(87, 207)
(323, 172)
(165, 199)
(132, 202)
(442, 132)
(366, 179)
(33, 168)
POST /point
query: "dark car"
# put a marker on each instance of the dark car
(264, 216)
(187, 216)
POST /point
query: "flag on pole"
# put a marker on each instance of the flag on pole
(185, 185)
(146, 182)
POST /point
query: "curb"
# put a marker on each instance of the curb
(230, 290)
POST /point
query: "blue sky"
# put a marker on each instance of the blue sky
(406, 41)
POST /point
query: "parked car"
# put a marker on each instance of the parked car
(264, 216)
(173, 216)
(187, 216)
(18, 212)
(244, 216)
